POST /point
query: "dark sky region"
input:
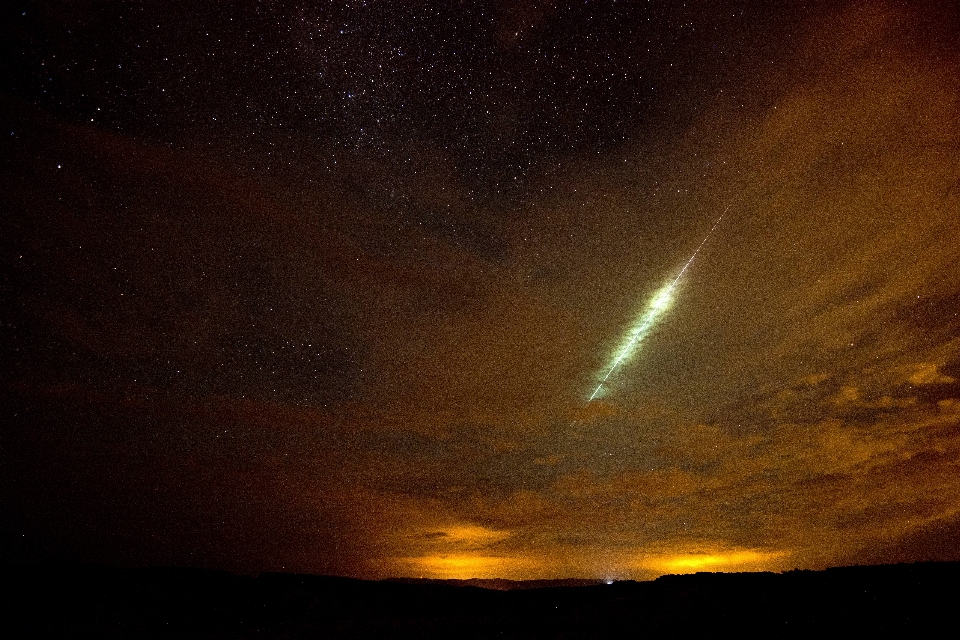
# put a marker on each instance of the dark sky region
(324, 287)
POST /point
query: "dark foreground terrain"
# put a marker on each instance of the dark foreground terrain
(73, 601)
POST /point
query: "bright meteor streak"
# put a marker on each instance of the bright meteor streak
(658, 304)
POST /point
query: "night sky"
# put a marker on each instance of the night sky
(325, 287)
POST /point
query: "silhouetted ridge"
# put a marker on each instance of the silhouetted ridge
(94, 601)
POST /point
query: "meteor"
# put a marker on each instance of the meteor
(657, 306)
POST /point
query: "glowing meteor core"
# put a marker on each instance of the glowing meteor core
(658, 304)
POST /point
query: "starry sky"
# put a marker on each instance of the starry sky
(325, 287)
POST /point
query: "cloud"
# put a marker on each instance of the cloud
(798, 405)
(927, 373)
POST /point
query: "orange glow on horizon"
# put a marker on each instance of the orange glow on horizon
(464, 566)
(736, 560)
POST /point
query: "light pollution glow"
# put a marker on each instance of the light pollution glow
(467, 550)
(465, 565)
(657, 306)
(730, 560)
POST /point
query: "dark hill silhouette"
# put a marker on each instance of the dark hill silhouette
(41, 601)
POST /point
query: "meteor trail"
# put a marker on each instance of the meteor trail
(659, 304)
